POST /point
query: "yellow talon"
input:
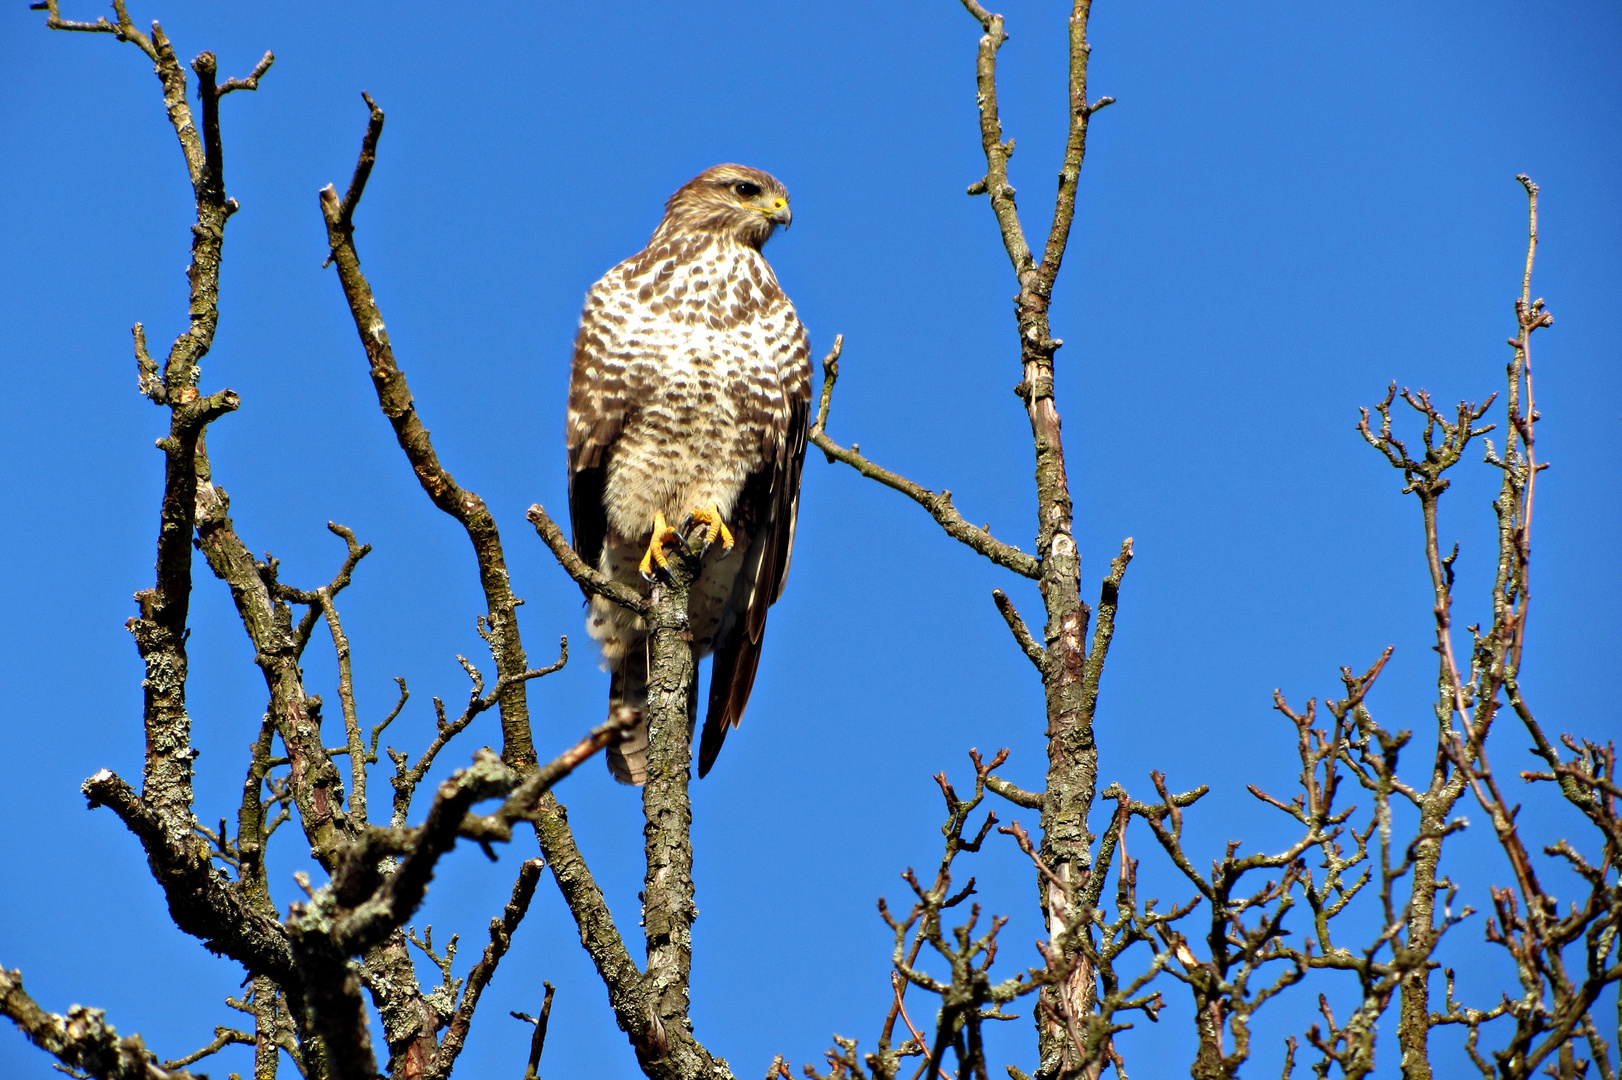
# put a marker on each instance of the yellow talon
(655, 555)
(714, 527)
(708, 520)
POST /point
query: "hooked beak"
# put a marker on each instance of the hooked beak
(780, 214)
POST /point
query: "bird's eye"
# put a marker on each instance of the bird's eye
(746, 189)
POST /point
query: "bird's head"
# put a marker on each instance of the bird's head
(732, 200)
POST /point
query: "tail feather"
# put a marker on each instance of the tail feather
(628, 699)
(628, 758)
(731, 678)
(737, 652)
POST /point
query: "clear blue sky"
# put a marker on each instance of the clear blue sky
(1290, 205)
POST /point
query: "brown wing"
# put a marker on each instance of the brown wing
(774, 495)
(598, 403)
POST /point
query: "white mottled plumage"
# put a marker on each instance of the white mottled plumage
(691, 386)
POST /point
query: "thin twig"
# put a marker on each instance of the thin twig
(898, 983)
(939, 504)
(587, 577)
(223, 1037)
(501, 933)
(537, 1039)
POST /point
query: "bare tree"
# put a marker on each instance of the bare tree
(1563, 963)
(1245, 932)
(306, 990)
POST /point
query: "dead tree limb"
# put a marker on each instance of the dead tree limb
(394, 397)
(84, 1041)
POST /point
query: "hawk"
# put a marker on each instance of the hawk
(689, 399)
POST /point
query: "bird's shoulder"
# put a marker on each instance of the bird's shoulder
(649, 272)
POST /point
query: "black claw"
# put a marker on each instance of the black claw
(686, 529)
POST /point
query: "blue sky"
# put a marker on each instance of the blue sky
(1290, 206)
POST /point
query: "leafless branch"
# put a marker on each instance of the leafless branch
(588, 578)
(939, 504)
(537, 1040)
(83, 1040)
(394, 397)
(223, 1037)
(501, 932)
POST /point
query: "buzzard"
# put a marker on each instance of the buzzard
(689, 398)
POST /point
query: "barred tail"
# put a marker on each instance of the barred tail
(628, 694)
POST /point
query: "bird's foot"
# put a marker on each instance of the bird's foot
(655, 556)
(709, 525)
(714, 527)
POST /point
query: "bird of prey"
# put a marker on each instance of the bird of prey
(689, 399)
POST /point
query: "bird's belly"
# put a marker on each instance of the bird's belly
(693, 442)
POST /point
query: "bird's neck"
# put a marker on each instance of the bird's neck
(680, 235)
